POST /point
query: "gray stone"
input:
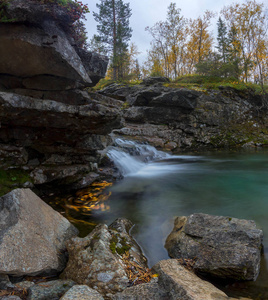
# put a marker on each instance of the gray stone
(39, 62)
(10, 298)
(5, 282)
(33, 232)
(182, 98)
(182, 284)
(49, 290)
(220, 246)
(96, 260)
(145, 291)
(82, 292)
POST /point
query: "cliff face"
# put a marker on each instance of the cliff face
(180, 119)
(50, 125)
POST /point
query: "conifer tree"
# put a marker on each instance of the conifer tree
(114, 31)
(222, 39)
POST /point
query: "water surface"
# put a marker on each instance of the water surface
(157, 189)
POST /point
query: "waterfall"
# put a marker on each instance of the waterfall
(130, 157)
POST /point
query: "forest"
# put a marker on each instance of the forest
(238, 50)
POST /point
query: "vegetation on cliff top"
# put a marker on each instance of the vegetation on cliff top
(196, 82)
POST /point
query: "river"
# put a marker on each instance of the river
(158, 186)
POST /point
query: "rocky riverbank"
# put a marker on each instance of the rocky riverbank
(109, 264)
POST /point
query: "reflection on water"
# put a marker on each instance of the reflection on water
(228, 184)
(82, 207)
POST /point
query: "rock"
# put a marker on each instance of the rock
(49, 290)
(25, 285)
(34, 233)
(5, 282)
(155, 80)
(96, 260)
(10, 298)
(182, 284)
(81, 292)
(220, 246)
(45, 64)
(63, 66)
(182, 98)
(145, 291)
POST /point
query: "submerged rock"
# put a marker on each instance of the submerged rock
(220, 246)
(32, 235)
(98, 259)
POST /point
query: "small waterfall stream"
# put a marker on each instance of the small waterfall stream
(131, 157)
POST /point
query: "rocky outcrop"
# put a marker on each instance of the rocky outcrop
(219, 246)
(98, 259)
(32, 235)
(37, 49)
(177, 118)
(50, 125)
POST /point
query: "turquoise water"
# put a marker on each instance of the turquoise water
(234, 185)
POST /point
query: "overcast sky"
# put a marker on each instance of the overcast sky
(148, 12)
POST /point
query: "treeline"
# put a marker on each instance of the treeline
(182, 46)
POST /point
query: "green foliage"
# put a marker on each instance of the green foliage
(114, 31)
(10, 179)
(204, 83)
(119, 245)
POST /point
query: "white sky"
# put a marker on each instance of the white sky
(148, 12)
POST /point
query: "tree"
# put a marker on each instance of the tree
(200, 41)
(222, 39)
(175, 36)
(247, 23)
(96, 45)
(114, 31)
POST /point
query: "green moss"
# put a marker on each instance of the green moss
(10, 179)
(119, 245)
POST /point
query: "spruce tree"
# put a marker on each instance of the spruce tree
(222, 39)
(114, 31)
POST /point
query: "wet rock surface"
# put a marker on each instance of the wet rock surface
(219, 246)
(97, 260)
(34, 233)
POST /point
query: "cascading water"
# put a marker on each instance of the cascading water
(131, 157)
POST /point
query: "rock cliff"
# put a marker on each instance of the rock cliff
(50, 125)
(178, 119)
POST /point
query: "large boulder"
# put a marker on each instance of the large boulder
(183, 284)
(99, 259)
(37, 48)
(220, 246)
(32, 235)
